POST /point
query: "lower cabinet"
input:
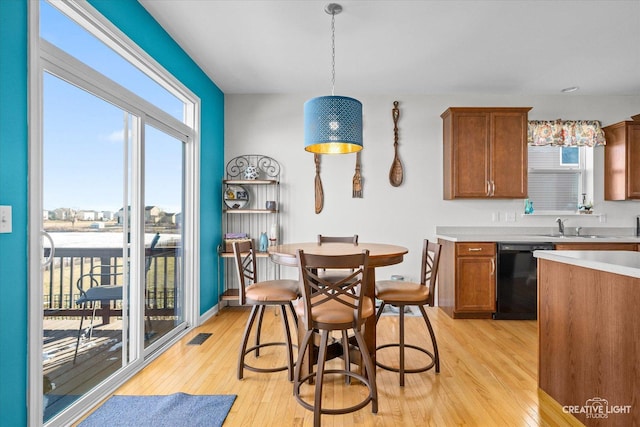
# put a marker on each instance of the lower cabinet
(467, 275)
(467, 279)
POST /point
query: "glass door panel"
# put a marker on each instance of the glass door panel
(163, 223)
(85, 288)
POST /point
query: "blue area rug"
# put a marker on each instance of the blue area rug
(174, 410)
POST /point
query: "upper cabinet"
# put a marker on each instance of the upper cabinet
(622, 160)
(485, 152)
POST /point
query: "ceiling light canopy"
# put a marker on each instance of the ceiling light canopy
(333, 124)
(570, 89)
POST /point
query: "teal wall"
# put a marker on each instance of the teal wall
(134, 21)
(13, 191)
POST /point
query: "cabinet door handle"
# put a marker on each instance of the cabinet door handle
(474, 249)
(493, 188)
(488, 192)
(493, 266)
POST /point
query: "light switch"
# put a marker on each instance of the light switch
(5, 219)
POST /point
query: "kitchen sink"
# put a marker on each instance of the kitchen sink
(596, 236)
(578, 236)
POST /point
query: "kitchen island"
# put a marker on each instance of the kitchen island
(589, 334)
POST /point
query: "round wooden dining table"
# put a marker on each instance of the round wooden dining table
(380, 255)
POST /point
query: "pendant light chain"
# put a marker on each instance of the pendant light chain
(333, 53)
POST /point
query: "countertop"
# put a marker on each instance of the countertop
(536, 234)
(626, 263)
(537, 238)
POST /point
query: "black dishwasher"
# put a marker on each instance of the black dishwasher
(517, 287)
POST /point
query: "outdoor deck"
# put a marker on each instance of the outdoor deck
(100, 356)
(97, 358)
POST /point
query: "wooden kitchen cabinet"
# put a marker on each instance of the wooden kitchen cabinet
(485, 152)
(467, 279)
(622, 160)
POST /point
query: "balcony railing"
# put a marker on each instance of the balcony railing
(163, 267)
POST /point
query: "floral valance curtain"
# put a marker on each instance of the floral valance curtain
(567, 133)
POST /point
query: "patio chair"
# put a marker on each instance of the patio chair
(105, 286)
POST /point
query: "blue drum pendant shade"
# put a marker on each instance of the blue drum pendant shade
(333, 125)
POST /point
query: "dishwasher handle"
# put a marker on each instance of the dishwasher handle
(525, 247)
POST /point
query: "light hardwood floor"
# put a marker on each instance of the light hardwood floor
(488, 377)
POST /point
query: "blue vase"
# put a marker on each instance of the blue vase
(264, 242)
(528, 206)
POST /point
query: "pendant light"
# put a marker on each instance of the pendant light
(333, 124)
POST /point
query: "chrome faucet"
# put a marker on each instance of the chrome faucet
(560, 222)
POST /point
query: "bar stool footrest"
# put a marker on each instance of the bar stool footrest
(258, 347)
(335, 411)
(407, 371)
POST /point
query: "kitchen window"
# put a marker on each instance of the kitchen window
(559, 176)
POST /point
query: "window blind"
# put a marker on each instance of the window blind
(552, 185)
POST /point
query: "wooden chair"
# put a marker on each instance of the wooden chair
(278, 293)
(401, 294)
(327, 306)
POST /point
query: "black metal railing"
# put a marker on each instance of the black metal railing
(60, 291)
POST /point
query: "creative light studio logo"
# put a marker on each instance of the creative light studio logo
(597, 407)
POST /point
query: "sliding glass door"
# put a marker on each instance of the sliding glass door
(112, 191)
(113, 198)
(163, 208)
(85, 185)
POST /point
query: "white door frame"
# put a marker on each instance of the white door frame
(191, 215)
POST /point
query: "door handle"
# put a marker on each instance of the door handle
(47, 261)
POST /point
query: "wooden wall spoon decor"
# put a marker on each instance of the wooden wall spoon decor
(395, 173)
(318, 185)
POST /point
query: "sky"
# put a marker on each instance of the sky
(84, 150)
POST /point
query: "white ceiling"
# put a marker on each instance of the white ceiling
(532, 47)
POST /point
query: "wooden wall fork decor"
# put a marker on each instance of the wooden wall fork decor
(357, 179)
(318, 185)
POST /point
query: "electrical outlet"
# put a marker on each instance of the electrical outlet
(603, 218)
(495, 216)
(5, 219)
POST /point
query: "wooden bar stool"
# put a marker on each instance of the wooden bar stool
(333, 305)
(277, 293)
(402, 294)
